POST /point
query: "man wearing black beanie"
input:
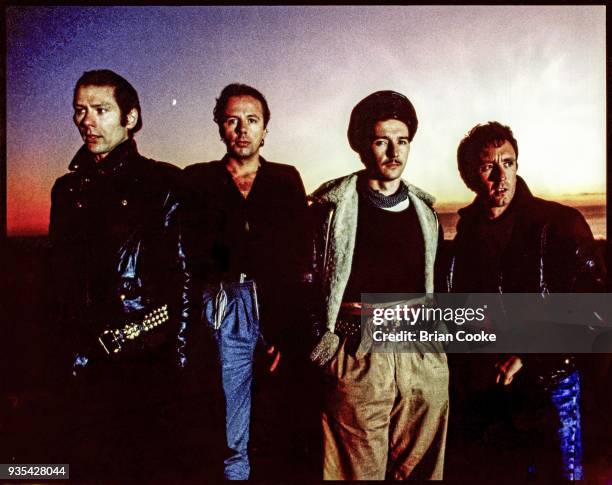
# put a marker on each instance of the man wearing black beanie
(385, 413)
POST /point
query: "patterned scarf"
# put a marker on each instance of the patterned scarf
(382, 201)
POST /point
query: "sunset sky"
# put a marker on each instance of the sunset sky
(541, 70)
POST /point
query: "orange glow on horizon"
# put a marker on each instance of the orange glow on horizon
(27, 210)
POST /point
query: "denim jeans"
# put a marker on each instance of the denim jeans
(232, 313)
(566, 399)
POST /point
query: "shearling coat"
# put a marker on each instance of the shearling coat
(334, 213)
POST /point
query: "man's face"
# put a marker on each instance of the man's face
(390, 149)
(497, 174)
(98, 118)
(243, 127)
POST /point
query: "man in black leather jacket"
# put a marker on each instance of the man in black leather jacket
(114, 264)
(509, 241)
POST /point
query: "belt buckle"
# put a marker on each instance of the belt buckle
(109, 342)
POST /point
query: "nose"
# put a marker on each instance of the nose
(240, 127)
(498, 174)
(88, 119)
(392, 150)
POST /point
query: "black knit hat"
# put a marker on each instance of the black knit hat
(379, 106)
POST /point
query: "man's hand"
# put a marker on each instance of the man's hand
(275, 356)
(507, 369)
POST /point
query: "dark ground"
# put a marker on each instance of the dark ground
(35, 422)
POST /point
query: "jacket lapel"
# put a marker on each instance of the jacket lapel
(341, 245)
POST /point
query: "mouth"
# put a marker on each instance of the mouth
(91, 138)
(243, 143)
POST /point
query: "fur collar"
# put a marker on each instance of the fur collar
(341, 193)
(335, 190)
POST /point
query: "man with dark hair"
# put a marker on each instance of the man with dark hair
(509, 241)
(116, 284)
(385, 414)
(468, 152)
(126, 96)
(244, 240)
(233, 90)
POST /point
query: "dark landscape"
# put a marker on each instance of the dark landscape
(29, 400)
(594, 213)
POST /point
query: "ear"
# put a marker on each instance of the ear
(132, 118)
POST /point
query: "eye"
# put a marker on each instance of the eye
(485, 167)
(79, 111)
(231, 121)
(102, 111)
(403, 142)
(380, 142)
(253, 120)
(508, 163)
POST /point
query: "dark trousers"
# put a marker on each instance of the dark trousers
(119, 423)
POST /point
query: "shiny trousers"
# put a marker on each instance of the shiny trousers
(385, 416)
(232, 313)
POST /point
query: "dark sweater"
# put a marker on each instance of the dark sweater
(389, 253)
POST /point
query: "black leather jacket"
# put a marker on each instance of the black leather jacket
(551, 249)
(115, 249)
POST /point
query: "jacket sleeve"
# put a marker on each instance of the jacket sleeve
(283, 319)
(324, 343)
(298, 231)
(174, 245)
(574, 265)
(185, 308)
(575, 261)
(190, 294)
(442, 262)
(590, 266)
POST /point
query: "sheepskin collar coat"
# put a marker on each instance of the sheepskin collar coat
(335, 208)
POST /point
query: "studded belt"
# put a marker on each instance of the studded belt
(112, 339)
(350, 328)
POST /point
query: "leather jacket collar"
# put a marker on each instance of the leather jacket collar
(114, 162)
